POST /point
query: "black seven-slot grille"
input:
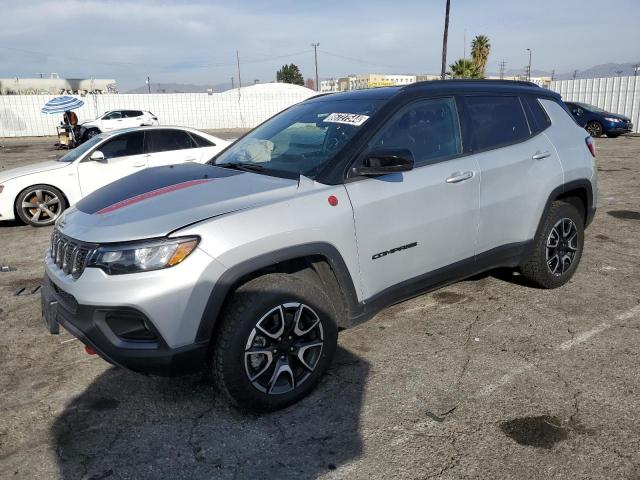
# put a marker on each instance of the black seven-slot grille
(68, 254)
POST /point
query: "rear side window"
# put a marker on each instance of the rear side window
(429, 128)
(538, 119)
(166, 140)
(202, 142)
(132, 113)
(123, 145)
(496, 121)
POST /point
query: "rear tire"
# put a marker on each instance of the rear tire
(558, 247)
(289, 325)
(40, 205)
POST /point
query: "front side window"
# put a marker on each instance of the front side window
(429, 128)
(83, 148)
(302, 139)
(167, 140)
(496, 121)
(123, 145)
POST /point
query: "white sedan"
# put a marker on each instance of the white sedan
(40, 192)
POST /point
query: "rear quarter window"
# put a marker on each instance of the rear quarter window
(496, 121)
(538, 118)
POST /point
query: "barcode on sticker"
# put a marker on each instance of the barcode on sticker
(347, 118)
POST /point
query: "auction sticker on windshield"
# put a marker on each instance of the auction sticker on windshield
(354, 119)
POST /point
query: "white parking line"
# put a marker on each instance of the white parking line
(564, 346)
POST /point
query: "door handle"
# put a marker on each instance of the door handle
(540, 155)
(139, 164)
(190, 159)
(459, 177)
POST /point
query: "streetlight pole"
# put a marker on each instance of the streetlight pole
(444, 40)
(529, 69)
(315, 55)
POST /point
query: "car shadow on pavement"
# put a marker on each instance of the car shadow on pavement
(125, 425)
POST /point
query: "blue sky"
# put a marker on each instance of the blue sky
(195, 41)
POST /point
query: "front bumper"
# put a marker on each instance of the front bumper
(619, 128)
(169, 303)
(89, 324)
(6, 207)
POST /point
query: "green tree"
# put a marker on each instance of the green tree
(464, 68)
(290, 74)
(480, 48)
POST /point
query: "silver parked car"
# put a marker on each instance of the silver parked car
(328, 212)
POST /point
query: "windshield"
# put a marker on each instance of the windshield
(300, 140)
(591, 108)
(80, 150)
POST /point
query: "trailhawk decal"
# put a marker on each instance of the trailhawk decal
(151, 194)
(347, 118)
(394, 250)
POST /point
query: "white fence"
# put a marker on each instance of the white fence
(615, 94)
(20, 114)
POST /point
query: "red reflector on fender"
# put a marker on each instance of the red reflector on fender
(89, 350)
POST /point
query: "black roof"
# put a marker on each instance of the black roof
(444, 86)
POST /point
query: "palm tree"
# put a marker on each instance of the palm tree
(464, 68)
(480, 48)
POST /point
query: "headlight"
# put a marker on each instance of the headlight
(142, 256)
(610, 119)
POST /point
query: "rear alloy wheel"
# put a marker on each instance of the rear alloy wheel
(40, 205)
(594, 129)
(276, 339)
(557, 247)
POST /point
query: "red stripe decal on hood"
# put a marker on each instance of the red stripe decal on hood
(151, 194)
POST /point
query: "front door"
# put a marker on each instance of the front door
(411, 223)
(123, 155)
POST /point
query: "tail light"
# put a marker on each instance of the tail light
(590, 145)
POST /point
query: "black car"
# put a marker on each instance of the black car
(598, 121)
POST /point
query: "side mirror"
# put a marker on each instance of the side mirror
(97, 156)
(385, 160)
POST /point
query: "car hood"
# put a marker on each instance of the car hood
(30, 169)
(158, 201)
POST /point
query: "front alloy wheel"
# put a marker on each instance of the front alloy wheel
(40, 205)
(276, 338)
(283, 349)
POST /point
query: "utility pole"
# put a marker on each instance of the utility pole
(502, 65)
(239, 79)
(636, 67)
(315, 55)
(444, 40)
(464, 47)
(148, 84)
(553, 75)
(575, 74)
(233, 83)
(529, 67)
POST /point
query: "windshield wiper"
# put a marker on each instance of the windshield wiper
(247, 167)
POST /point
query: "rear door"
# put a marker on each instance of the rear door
(169, 146)
(133, 118)
(415, 222)
(518, 164)
(123, 155)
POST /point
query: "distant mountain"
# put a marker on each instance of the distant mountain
(604, 70)
(181, 88)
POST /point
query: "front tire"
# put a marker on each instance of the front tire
(40, 205)
(276, 339)
(558, 247)
(594, 128)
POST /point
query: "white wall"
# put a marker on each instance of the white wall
(20, 114)
(615, 94)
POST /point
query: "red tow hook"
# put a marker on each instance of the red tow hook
(89, 350)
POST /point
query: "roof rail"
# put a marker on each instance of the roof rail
(484, 81)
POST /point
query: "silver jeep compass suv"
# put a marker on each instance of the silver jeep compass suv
(317, 219)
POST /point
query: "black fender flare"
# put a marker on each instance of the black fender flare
(228, 281)
(557, 192)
